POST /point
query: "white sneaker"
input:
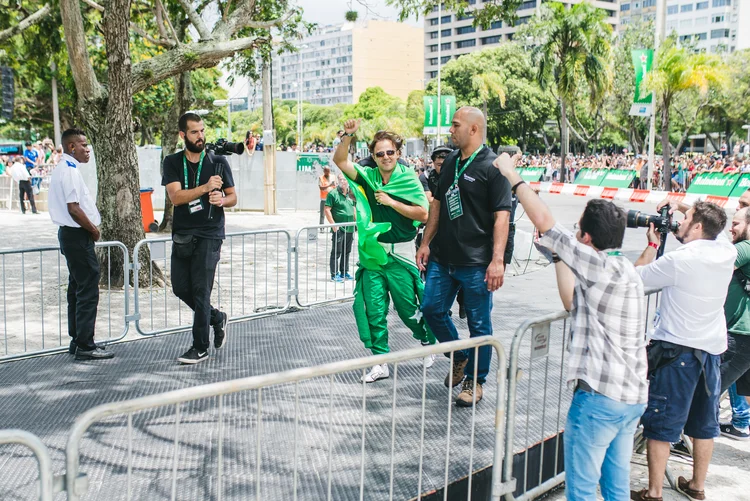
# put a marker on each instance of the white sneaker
(429, 361)
(377, 372)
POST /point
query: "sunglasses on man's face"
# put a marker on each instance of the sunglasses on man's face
(381, 154)
(442, 157)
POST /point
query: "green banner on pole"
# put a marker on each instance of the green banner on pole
(447, 109)
(617, 178)
(312, 162)
(743, 184)
(643, 60)
(531, 174)
(590, 177)
(713, 183)
(430, 112)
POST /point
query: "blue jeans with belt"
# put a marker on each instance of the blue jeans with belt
(441, 286)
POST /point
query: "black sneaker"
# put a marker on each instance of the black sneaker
(461, 312)
(72, 348)
(95, 354)
(728, 430)
(680, 449)
(220, 333)
(193, 356)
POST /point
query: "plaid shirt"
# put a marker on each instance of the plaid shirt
(607, 341)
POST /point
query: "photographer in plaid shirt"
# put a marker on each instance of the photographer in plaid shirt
(607, 363)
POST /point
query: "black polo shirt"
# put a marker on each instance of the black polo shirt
(468, 240)
(197, 224)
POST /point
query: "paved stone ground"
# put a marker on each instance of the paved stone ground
(44, 395)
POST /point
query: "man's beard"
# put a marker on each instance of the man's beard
(740, 237)
(193, 147)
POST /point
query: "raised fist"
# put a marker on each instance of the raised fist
(351, 126)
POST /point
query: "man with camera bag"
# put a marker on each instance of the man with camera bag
(200, 185)
(688, 338)
(607, 363)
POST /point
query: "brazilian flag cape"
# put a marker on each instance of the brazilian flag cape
(403, 184)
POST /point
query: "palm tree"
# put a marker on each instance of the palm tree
(678, 70)
(574, 45)
(488, 86)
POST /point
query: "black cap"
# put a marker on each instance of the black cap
(28, 143)
(440, 149)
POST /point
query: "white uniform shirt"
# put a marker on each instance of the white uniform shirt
(694, 278)
(67, 186)
(19, 173)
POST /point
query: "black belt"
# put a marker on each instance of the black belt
(584, 386)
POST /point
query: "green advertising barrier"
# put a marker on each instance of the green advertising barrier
(312, 162)
(743, 184)
(531, 174)
(618, 178)
(590, 177)
(713, 183)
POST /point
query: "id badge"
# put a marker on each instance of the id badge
(453, 198)
(195, 206)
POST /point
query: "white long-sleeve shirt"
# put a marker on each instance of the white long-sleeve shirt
(19, 173)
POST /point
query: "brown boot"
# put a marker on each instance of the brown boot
(458, 373)
(683, 485)
(642, 495)
(464, 399)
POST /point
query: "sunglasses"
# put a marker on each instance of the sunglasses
(381, 154)
(442, 156)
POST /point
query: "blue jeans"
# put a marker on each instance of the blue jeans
(441, 286)
(598, 446)
(740, 409)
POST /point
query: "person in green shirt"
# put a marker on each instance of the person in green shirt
(339, 208)
(390, 206)
(736, 360)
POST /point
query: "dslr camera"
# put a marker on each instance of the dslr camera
(224, 147)
(662, 223)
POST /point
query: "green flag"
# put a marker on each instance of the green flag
(403, 184)
(643, 60)
(447, 109)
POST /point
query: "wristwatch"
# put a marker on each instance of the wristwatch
(347, 134)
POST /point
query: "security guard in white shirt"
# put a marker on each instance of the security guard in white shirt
(72, 208)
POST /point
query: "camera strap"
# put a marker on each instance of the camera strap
(614, 253)
(197, 174)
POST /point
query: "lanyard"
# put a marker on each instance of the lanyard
(614, 253)
(198, 174)
(471, 159)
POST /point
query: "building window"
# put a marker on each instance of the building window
(433, 61)
(433, 21)
(686, 23)
(445, 19)
(700, 21)
(717, 19)
(464, 30)
(445, 46)
(701, 5)
(433, 48)
(466, 43)
(491, 40)
(687, 8)
(510, 36)
(722, 3)
(625, 7)
(467, 15)
(522, 20)
(649, 3)
(530, 4)
(445, 59)
(673, 9)
(433, 74)
(445, 33)
(496, 25)
(433, 35)
(719, 33)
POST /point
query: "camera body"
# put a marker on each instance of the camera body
(662, 222)
(224, 147)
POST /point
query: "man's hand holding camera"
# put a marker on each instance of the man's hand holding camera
(213, 188)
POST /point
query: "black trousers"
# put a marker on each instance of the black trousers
(77, 246)
(193, 281)
(322, 211)
(25, 187)
(736, 360)
(341, 247)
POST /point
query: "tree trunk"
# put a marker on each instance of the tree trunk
(665, 148)
(183, 100)
(563, 141)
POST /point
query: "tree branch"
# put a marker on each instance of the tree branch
(195, 20)
(25, 23)
(187, 57)
(242, 18)
(87, 85)
(136, 29)
(160, 7)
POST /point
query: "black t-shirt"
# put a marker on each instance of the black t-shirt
(423, 180)
(197, 224)
(467, 240)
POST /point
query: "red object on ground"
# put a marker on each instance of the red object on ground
(609, 193)
(720, 201)
(147, 211)
(675, 197)
(556, 187)
(639, 195)
(535, 185)
(581, 190)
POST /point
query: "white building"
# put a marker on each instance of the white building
(714, 25)
(457, 36)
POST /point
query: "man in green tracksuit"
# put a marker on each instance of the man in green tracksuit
(390, 205)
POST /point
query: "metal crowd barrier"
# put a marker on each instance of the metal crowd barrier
(140, 442)
(46, 480)
(253, 278)
(316, 256)
(34, 308)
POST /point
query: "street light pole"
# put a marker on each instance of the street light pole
(228, 104)
(660, 25)
(439, 58)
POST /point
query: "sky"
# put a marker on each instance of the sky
(326, 12)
